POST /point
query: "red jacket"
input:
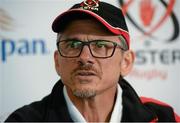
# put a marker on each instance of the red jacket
(146, 100)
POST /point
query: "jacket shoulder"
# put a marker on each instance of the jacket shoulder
(163, 111)
(32, 112)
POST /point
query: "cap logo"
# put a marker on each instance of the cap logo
(90, 5)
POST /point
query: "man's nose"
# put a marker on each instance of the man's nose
(86, 56)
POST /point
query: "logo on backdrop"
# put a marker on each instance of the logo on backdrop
(156, 22)
(22, 47)
(147, 10)
(6, 22)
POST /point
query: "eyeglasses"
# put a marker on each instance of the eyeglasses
(72, 48)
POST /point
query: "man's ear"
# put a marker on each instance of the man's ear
(56, 61)
(127, 62)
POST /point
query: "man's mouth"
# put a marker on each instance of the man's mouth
(85, 73)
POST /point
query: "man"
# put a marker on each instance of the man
(92, 58)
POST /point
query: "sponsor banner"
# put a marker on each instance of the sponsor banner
(154, 29)
(27, 44)
(26, 52)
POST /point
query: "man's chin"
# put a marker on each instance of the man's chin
(84, 93)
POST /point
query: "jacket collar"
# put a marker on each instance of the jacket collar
(59, 110)
(133, 108)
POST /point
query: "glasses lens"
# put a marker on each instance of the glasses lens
(102, 48)
(71, 48)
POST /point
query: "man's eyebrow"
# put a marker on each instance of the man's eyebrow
(77, 39)
(69, 37)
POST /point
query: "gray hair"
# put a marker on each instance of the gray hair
(124, 43)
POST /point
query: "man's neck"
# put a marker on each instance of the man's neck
(98, 108)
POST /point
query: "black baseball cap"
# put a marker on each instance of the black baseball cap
(110, 16)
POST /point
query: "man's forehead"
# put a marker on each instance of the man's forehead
(89, 37)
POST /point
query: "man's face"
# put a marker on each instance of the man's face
(86, 76)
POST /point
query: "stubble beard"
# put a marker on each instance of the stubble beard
(84, 93)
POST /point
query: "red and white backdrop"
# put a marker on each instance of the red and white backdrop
(27, 44)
